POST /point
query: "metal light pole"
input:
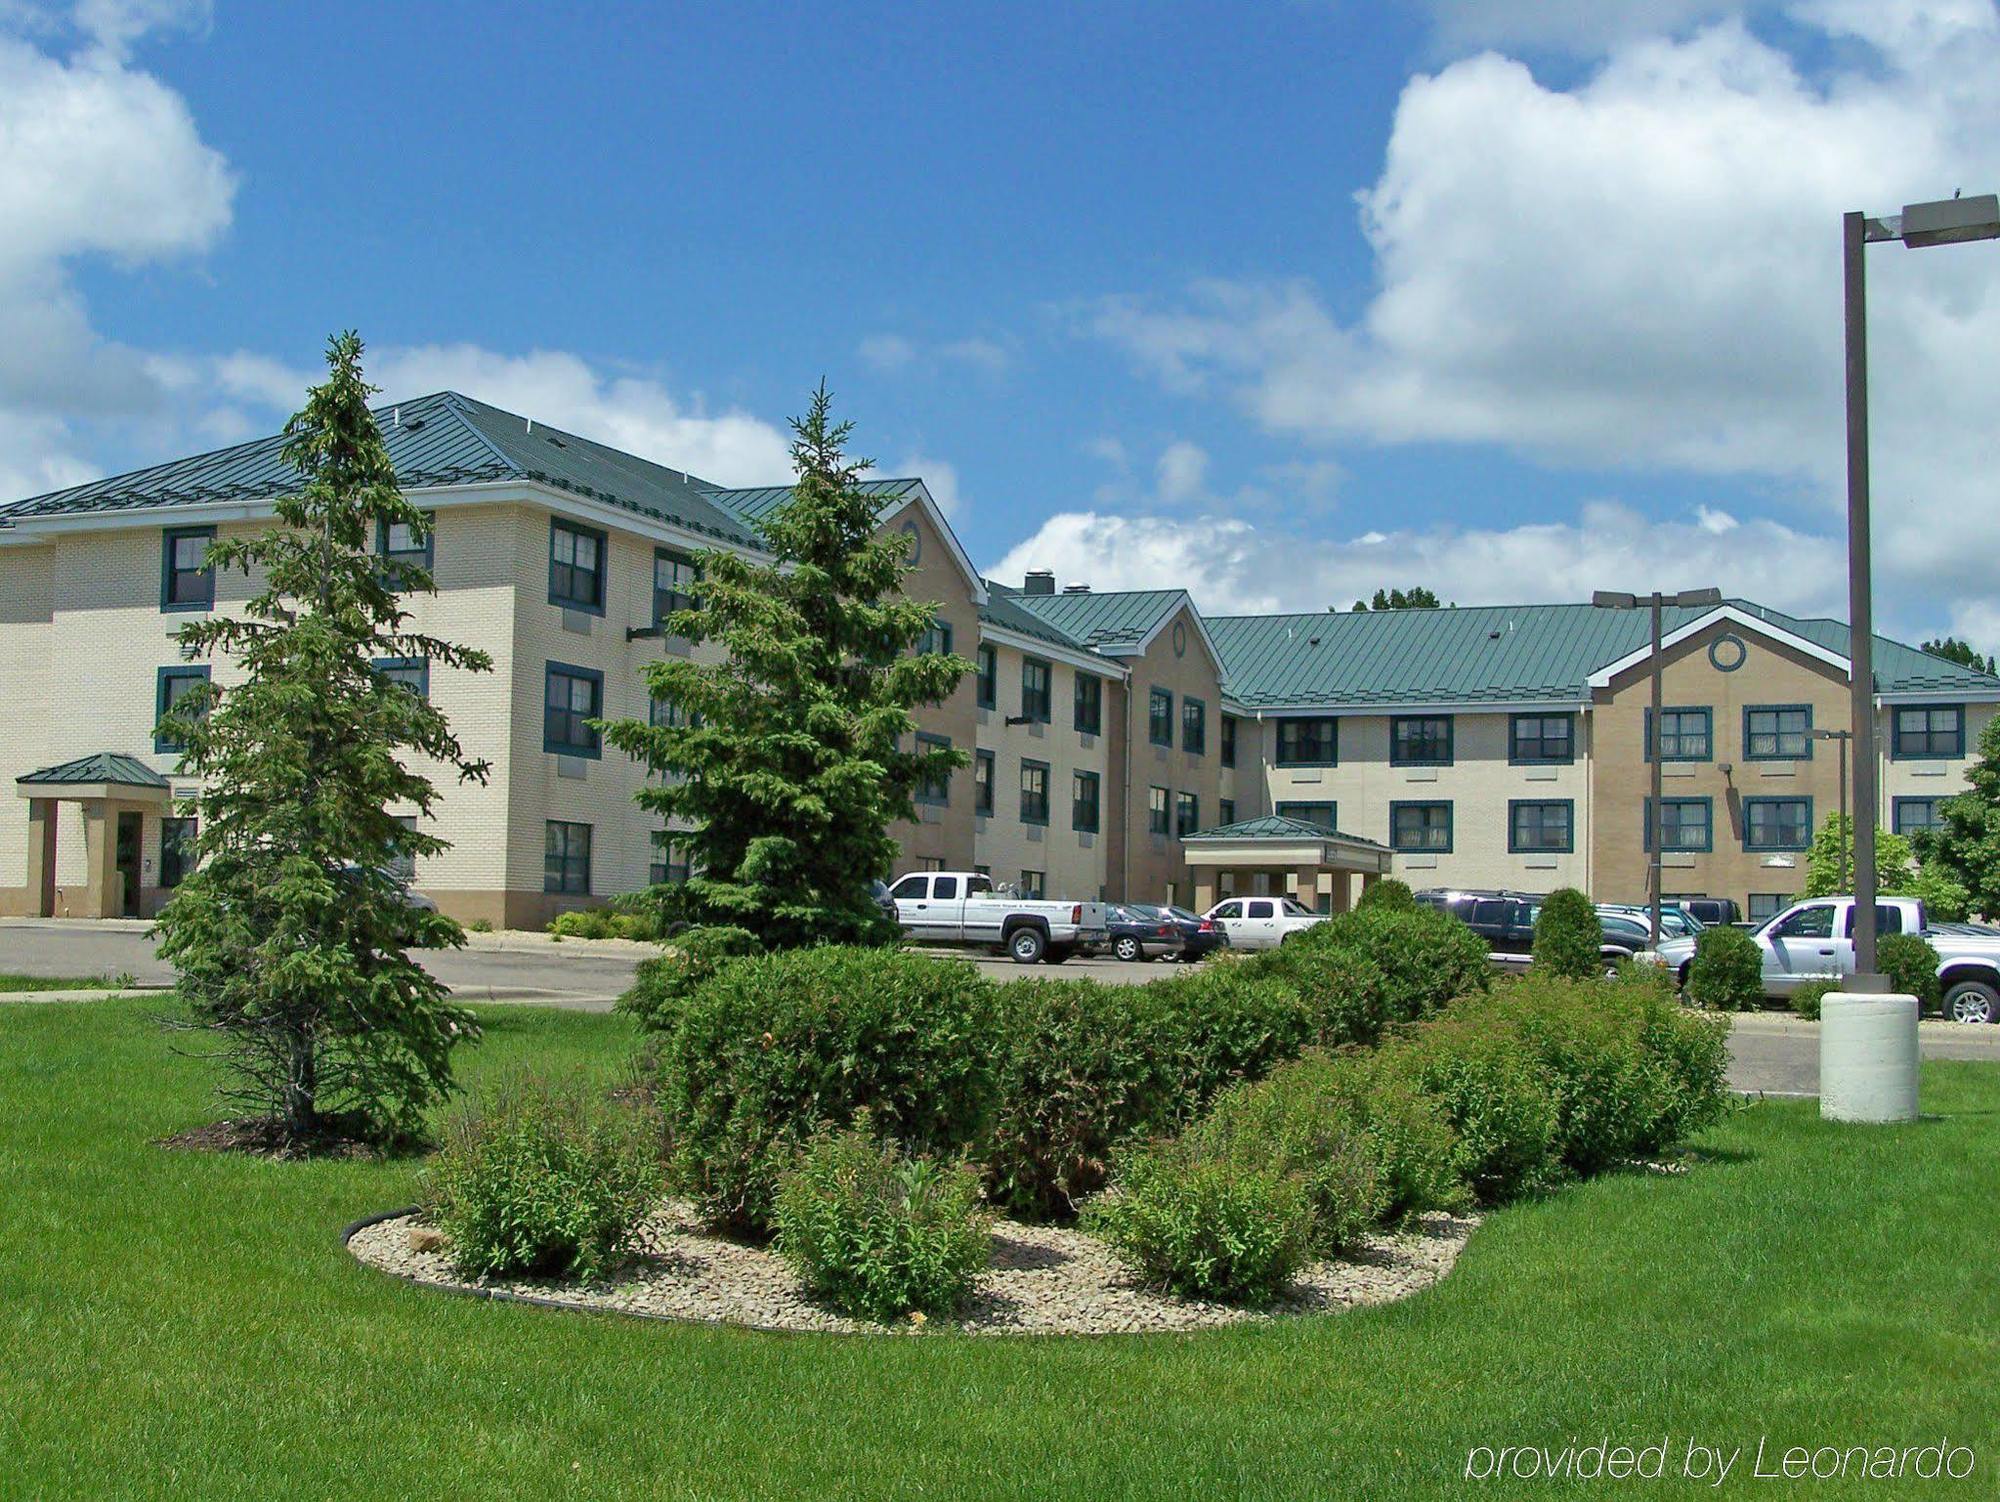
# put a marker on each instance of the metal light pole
(1948, 221)
(1843, 737)
(1605, 599)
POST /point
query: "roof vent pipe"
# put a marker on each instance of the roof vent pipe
(1039, 581)
(1076, 589)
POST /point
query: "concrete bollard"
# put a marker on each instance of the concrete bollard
(1868, 1057)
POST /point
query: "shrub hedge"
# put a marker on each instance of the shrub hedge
(1807, 999)
(1395, 965)
(1569, 936)
(666, 980)
(1498, 1100)
(1912, 967)
(1386, 893)
(1727, 973)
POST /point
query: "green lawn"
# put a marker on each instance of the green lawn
(11, 984)
(188, 1324)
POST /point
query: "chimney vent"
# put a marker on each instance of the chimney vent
(1039, 581)
(1076, 589)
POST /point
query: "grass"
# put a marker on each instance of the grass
(14, 984)
(185, 1323)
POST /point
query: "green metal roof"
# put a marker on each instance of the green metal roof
(1003, 609)
(99, 766)
(443, 439)
(1276, 827)
(1106, 621)
(755, 503)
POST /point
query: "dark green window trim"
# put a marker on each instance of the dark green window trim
(929, 792)
(1187, 814)
(1750, 805)
(1707, 805)
(1900, 807)
(662, 868)
(573, 585)
(1226, 810)
(566, 858)
(199, 583)
(1540, 754)
(161, 745)
(1038, 677)
(1920, 745)
(1229, 740)
(1441, 726)
(1034, 792)
(177, 852)
(1160, 717)
(986, 690)
(1194, 727)
(1084, 802)
(563, 723)
(1089, 704)
(1313, 742)
(1750, 711)
(937, 641)
(1158, 800)
(1515, 806)
(425, 556)
(1322, 812)
(1396, 841)
(678, 594)
(403, 667)
(982, 783)
(1681, 732)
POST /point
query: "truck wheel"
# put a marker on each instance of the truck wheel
(1026, 945)
(1126, 949)
(1972, 1001)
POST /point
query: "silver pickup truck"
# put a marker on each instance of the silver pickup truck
(963, 907)
(1815, 938)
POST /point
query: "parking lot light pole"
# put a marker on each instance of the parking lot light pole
(1605, 599)
(1843, 737)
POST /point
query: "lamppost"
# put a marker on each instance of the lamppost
(1605, 599)
(1948, 221)
(1843, 737)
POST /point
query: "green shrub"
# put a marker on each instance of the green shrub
(1204, 1225)
(481, 925)
(879, 1235)
(1496, 1096)
(1687, 1060)
(604, 923)
(1386, 893)
(1346, 996)
(1912, 967)
(664, 981)
(1569, 938)
(543, 1179)
(1221, 1023)
(771, 1048)
(1806, 998)
(1426, 958)
(1727, 974)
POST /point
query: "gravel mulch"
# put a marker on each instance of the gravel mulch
(1043, 1280)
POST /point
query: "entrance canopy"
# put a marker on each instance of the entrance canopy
(102, 774)
(1307, 861)
(118, 794)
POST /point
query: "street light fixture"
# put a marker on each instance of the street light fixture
(1689, 599)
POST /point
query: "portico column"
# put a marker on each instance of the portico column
(100, 852)
(1305, 886)
(41, 850)
(1204, 890)
(1342, 890)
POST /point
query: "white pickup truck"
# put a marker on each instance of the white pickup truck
(1261, 922)
(962, 907)
(1815, 938)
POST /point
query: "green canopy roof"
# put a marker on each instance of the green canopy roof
(99, 766)
(1277, 827)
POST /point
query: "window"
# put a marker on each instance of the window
(943, 887)
(1541, 739)
(988, 681)
(674, 576)
(1033, 884)
(1420, 740)
(574, 697)
(911, 888)
(1228, 910)
(1685, 734)
(1814, 922)
(982, 783)
(566, 858)
(667, 714)
(1187, 815)
(186, 580)
(1910, 815)
(1888, 920)
(177, 838)
(1035, 678)
(1685, 824)
(1322, 814)
(399, 542)
(1226, 810)
(1540, 828)
(1777, 823)
(173, 685)
(1308, 743)
(1777, 732)
(1927, 731)
(1229, 740)
(1034, 792)
(1156, 810)
(1089, 704)
(669, 865)
(1083, 802)
(413, 673)
(1420, 827)
(576, 566)
(935, 642)
(933, 788)
(1160, 717)
(403, 864)
(1764, 906)
(1194, 726)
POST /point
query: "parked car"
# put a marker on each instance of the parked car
(1142, 932)
(1199, 935)
(1506, 921)
(1261, 922)
(1710, 911)
(879, 890)
(1675, 920)
(963, 907)
(1815, 938)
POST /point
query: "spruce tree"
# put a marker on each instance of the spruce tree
(787, 759)
(292, 936)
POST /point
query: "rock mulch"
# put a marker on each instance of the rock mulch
(1043, 1280)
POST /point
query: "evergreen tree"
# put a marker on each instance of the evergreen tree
(786, 758)
(1951, 649)
(291, 936)
(1418, 598)
(1964, 846)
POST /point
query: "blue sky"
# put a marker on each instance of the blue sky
(1281, 301)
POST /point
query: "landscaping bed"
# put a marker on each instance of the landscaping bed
(1042, 1280)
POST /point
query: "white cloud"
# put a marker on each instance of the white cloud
(887, 351)
(1642, 270)
(1182, 471)
(1579, 27)
(891, 353)
(940, 478)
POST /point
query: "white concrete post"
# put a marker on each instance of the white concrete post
(1868, 1057)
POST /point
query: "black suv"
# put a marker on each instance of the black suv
(1505, 920)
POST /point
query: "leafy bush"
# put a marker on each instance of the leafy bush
(1727, 973)
(1219, 1024)
(1345, 995)
(543, 1179)
(1386, 893)
(1496, 1096)
(481, 925)
(1807, 998)
(666, 980)
(878, 1235)
(603, 923)
(1205, 1225)
(1687, 1059)
(1912, 967)
(770, 1049)
(1569, 938)
(1426, 958)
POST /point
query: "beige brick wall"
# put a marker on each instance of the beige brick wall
(942, 834)
(1177, 660)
